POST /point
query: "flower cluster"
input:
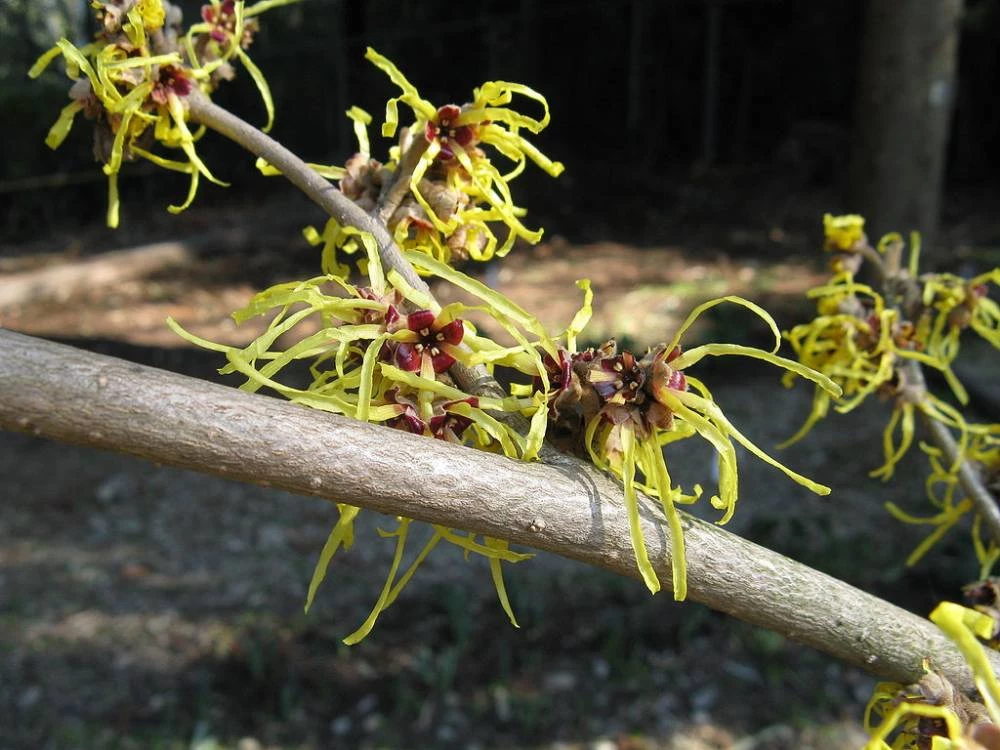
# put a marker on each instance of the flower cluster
(134, 79)
(628, 409)
(384, 352)
(863, 342)
(933, 712)
(456, 195)
(948, 305)
(381, 353)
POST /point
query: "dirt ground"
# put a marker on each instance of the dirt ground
(146, 607)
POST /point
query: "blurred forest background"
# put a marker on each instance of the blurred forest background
(703, 140)
(645, 94)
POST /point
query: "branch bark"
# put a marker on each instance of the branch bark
(563, 506)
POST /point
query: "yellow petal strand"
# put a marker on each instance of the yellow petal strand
(60, 129)
(655, 465)
(44, 61)
(941, 366)
(903, 416)
(728, 470)
(421, 384)
(76, 58)
(265, 5)
(963, 625)
(376, 277)
(469, 544)
(691, 356)
(261, 83)
(367, 375)
(405, 578)
(187, 141)
(632, 508)
(820, 408)
(713, 411)
(757, 309)
(421, 106)
(537, 428)
(944, 521)
(493, 427)
(366, 627)
(337, 537)
(914, 254)
(113, 203)
(497, 574)
(583, 315)
(419, 170)
(422, 300)
(499, 93)
(361, 120)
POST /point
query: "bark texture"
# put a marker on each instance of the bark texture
(563, 506)
(903, 111)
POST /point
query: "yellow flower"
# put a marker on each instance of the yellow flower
(131, 90)
(641, 406)
(152, 14)
(901, 709)
(852, 344)
(952, 304)
(453, 136)
(843, 233)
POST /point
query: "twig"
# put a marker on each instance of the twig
(396, 189)
(571, 509)
(319, 190)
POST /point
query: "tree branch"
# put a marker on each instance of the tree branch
(565, 506)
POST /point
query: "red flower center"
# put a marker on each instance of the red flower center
(447, 132)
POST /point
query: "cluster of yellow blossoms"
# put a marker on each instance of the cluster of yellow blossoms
(456, 194)
(133, 81)
(871, 345)
(863, 342)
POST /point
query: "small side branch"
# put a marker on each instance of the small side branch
(318, 190)
(565, 507)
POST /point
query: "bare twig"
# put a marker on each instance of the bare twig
(316, 188)
(569, 508)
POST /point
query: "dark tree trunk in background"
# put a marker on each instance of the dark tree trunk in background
(903, 113)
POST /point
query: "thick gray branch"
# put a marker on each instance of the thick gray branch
(563, 506)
